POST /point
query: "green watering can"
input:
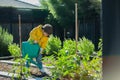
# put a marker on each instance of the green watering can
(32, 50)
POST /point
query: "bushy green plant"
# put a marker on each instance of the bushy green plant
(53, 46)
(19, 67)
(5, 39)
(48, 60)
(22, 72)
(14, 50)
(86, 47)
(91, 70)
(67, 64)
(100, 47)
(66, 67)
(69, 47)
(70, 65)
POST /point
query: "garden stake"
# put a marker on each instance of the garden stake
(19, 18)
(76, 26)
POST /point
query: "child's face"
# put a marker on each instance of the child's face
(45, 34)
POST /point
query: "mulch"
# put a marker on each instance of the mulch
(4, 78)
(5, 67)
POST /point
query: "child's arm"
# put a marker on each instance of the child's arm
(43, 42)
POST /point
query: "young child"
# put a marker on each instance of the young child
(39, 35)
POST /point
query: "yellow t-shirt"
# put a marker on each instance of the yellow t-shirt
(37, 35)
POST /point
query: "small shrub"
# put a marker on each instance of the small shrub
(53, 46)
(21, 70)
(70, 66)
(5, 39)
(67, 65)
(14, 50)
(86, 47)
(69, 47)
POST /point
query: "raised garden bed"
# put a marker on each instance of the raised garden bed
(6, 66)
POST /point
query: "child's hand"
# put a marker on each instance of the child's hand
(41, 50)
(35, 42)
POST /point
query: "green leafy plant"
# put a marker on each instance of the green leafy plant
(48, 60)
(67, 65)
(19, 66)
(91, 70)
(5, 39)
(86, 47)
(71, 66)
(100, 47)
(62, 67)
(20, 69)
(53, 46)
(14, 49)
(69, 47)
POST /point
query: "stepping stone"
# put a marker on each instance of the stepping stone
(7, 74)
